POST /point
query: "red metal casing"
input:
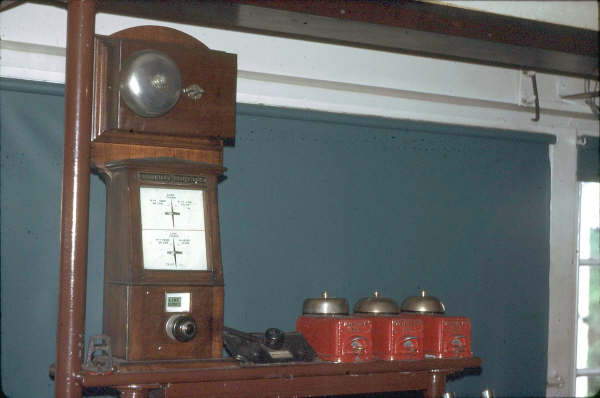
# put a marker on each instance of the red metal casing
(397, 338)
(338, 338)
(445, 336)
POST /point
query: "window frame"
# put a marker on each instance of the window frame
(587, 371)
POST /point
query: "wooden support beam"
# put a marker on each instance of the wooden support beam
(401, 26)
(409, 27)
(6, 4)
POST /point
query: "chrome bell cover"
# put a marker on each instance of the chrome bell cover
(150, 83)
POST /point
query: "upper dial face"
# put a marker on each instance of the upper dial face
(173, 229)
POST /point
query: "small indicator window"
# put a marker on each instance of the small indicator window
(177, 302)
(174, 302)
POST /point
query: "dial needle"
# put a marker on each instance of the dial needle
(174, 252)
(172, 213)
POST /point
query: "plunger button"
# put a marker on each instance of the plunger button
(181, 328)
(274, 338)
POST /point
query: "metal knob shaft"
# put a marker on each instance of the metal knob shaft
(181, 328)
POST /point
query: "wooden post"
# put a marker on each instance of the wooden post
(437, 385)
(133, 391)
(75, 197)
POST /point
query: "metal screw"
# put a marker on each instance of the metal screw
(194, 91)
(159, 81)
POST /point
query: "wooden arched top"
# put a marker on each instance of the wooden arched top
(195, 128)
(160, 34)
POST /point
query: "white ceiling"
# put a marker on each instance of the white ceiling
(581, 14)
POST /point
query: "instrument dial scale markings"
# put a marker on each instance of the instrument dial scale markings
(173, 229)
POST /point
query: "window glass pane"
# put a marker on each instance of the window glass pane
(589, 221)
(588, 323)
(587, 386)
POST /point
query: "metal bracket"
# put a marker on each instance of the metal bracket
(555, 382)
(582, 96)
(99, 355)
(581, 140)
(534, 97)
(590, 96)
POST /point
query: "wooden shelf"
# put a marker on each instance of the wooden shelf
(226, 378)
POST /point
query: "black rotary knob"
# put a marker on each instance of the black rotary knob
(274, 338)
(181, 328)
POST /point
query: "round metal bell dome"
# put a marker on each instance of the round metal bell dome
(150, 83)
(423, 304)
(325, 305)
(376, 304)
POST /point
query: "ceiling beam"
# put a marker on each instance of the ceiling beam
(6, 4)
(402, 26)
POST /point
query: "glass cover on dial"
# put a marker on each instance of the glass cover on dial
(173, 232)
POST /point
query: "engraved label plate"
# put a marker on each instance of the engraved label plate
(280, 354)
(200, 181)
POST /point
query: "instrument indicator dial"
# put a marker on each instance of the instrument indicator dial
(173, 229)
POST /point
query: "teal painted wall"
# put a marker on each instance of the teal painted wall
(312, 201)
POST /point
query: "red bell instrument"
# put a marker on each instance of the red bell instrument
(332, 333)
(445, 336)
(395, 337)
(338, 338)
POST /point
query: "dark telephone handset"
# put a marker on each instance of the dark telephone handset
(272, 346)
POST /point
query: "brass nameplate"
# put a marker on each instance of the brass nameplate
(174, 179)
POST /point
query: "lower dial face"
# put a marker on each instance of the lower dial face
(174, 250)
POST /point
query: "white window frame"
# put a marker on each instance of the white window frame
(587, 262)
(564, 232)
(564, 210)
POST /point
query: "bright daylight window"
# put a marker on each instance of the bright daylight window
(587, 382)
